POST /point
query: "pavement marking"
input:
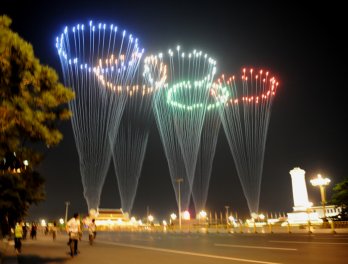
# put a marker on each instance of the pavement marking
(302, 242)
(255, 247)
(143, 240)
(188, 253)
(331, 238)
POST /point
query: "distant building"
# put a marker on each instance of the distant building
(110, 217)
(330, 210)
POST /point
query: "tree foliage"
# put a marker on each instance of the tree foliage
(340, 198)
(18, 192)
(31, 97)
(32, 100)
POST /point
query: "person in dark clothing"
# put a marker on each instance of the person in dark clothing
(33, 231)
(25, 231)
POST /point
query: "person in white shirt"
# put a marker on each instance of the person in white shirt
(73, 228)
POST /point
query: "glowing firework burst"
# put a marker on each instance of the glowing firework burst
(100, 93)
(180, 109)
(245, 119)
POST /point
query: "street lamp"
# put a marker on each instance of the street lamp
(26, 163)
(173, 216)
(202, 216)
(150, 218)
(66, 210)
(179, 199)
(322, 183)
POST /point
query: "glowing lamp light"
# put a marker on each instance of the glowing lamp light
(61, 221)
(202, 214)
(320, 181)
(26, 162)
(43, 223)
(186, 215)
(254, 215)
(164, 222)
(93, 213)
(173, 216)
(150, 218)
(262, 216)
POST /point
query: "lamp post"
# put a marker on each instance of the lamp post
(322, 183)
(67, 203)
(179, 200)
(172, 219)
(226, 206)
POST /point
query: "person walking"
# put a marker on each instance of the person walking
(18, 237)
(54, 230)
(25, 231)
(92, 230)
(73, 228)
(33, 231)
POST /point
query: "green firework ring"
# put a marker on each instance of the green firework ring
(173, 89)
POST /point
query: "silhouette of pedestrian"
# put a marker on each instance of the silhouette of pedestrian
(25, 231)
(54, 230)
(18, 237)
(33, 231)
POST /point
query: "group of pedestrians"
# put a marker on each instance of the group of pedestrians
(73, 228)
(20, 233)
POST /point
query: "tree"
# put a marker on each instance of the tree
(32, 101)
(31, 97)
(18, 192)
(340, 198)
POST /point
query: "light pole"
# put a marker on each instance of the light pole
(147, 215)
(322, 183)
(226, 206)
(67, 203)
(179, 200)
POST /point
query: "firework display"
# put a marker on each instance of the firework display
(210, 132)
(180, 110)
(98, 62)
(166, 127)
(116, 90)
(205, 158)
(130, 142)
(245, 119)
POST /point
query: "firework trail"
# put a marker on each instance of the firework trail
(245, 119)
(100, 94)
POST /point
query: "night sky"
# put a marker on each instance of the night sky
(303, 47)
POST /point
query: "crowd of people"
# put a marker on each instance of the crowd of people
(73, 228)
(20, 233)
